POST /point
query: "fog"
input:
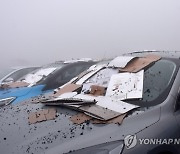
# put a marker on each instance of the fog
(35, 32)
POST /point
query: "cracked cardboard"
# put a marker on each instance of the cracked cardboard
(97, 90)
(99, 112)
(137, 64)
(67, 88)
(117, 120)
(42, 115)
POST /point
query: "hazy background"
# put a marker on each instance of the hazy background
(41, 31)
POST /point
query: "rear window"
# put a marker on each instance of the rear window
(22, 72)
(157, 83)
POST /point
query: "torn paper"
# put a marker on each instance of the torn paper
(42, 115)
(114, 104)
(124, 86)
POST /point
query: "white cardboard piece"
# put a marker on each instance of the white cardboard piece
(114, 105)
(120, 61)
(101, 78)
(124, 86)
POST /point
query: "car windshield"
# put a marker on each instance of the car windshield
(62, 76)
(20, 73)
(158, 80)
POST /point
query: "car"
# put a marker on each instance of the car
(72, 123)
(14, 74)
(38, 85)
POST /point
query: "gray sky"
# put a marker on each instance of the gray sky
(42, 31)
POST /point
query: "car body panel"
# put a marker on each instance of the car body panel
(62, 136)
(44, 86)
(47, 134)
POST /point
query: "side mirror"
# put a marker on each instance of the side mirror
(9, 80)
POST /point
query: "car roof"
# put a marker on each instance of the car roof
(166, 54)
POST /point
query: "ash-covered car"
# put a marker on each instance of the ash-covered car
(43, 81)
(14, 74)
(130, 105)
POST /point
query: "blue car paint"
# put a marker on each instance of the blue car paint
(23, 94)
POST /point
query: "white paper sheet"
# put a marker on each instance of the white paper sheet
(114, 105)
(120, 61)
(126, 86)
(101, 78)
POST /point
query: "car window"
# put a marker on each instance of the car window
(20, 73)
(157, 83)
(157, 79)
(62, 76)
(72, 72)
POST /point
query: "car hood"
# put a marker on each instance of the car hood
(17, 92)
(61, 135)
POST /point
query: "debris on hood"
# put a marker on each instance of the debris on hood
(100, 107)
(38, 99)
(118, 120)
(124, 86)
(97, 90)
(67, 88)
(104, 89)
(71, 99)
(99, 112)
(75, 79)
(115, 105)
(80, 118)
(139, 63)
(91, 71)
(17, 84)
(42, 115)
(66, 95)
(101, 78)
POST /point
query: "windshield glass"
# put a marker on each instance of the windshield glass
(157, 83)
(62, 76)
